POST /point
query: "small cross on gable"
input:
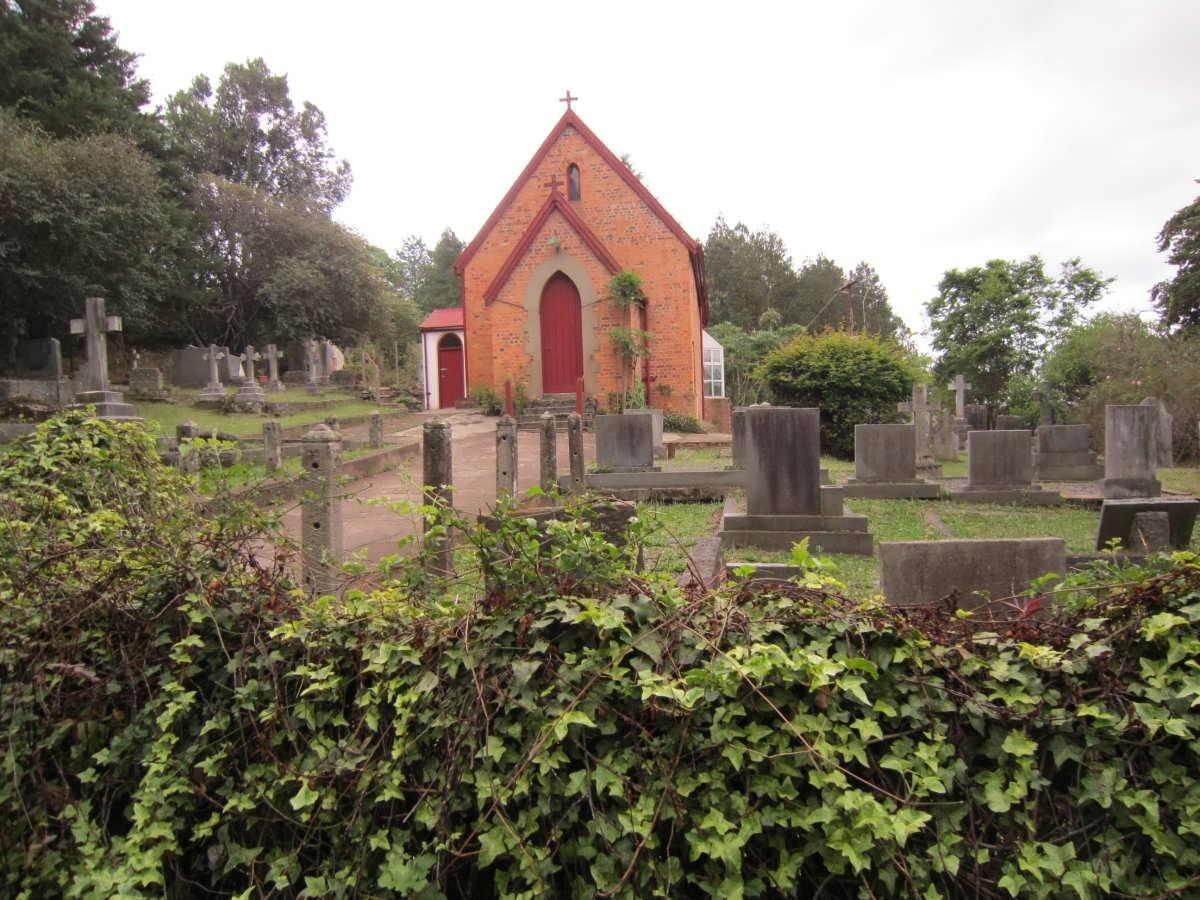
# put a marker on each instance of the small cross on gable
(552, 183)
(568, 100)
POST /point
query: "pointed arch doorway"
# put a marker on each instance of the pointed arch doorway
(562, 335)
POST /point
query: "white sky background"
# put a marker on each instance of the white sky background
(917, 136)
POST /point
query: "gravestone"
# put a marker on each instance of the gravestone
(1006, 422)
(321, 509)
(1045, 405)
(921, 413)
(1000, 470)
(976, 417)
(1130, 452)
(962, 425)
(312, 366)
(885, 464)
(1117, 520)
(190, 367)
(38, 358)
(274, 354)
(147, 384)
(214, 392)
(272, 445)
(945, 439)
(656, 428)
(1164, 424)
(785, 501)
(1063, 453)
(95, 327)
(37, 374)
(624, 443)
(922, 573)
(249, 397)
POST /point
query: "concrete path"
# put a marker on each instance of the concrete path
(377, 528)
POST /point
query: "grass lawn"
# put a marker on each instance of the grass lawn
(1186, 481)
(165, 416)
(676, 527)
(699, 458)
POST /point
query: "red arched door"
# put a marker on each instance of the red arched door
(562, 335)
(451, 387)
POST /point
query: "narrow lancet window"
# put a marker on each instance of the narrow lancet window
(573, 182)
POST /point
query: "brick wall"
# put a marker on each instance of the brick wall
(499, 334)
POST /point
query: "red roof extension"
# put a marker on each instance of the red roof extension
(443, 319)
(694, 247)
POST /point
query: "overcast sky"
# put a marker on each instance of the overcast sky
(917, 136)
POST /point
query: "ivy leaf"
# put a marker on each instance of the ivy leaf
(569, 718)
(492, 843)
(1157, 626)
(305, 797)
(1017, 744)
(403, 874)
(523, 670)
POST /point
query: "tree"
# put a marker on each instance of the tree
(249, 132)
(439, 284)
(81, 217)
(747, 273)
(266, 270)
(61, 67)
(744, 353)
(995, 321)
(853, 378)
(1178, 300)
(414, 261)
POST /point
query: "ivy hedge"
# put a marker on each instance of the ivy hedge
(177, 720)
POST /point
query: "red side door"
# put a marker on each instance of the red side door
(451, 387)
(562, 335)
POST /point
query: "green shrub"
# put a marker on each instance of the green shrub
(853, 378)
(682, 423)
(489, 401)
(176, 723)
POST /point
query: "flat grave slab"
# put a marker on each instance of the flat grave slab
(921, 573)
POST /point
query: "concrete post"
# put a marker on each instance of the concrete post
(506, 456)
(549, 453)
(438, 479)
(376, 432)
(575, 452)
(272, 445)
(320, 509)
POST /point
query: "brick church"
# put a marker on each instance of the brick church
(536, 310)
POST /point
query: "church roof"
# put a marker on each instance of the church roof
(571, 118)
(443, 319)
(557, 202)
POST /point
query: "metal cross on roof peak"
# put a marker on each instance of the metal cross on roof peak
(568, 100)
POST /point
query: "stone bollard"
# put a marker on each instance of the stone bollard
(575, 452)
(506, 456)
(320, 509)
(376, 430)
(438, 479)
(272, 445)
(549, 453)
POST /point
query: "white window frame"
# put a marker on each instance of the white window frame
(714, 372)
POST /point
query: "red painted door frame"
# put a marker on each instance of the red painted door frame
(451, 386)
(562, 335)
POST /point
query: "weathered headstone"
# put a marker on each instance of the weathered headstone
(885, 464)
(273, 356)
(1163, 428)
(333, 422)
(312, 365)
(95, 327)
(321, 509)
(1130, 452)
(438, 481)
(147, 384)
(923, 573)
(624, 443)
(578, 482)
(1007, 422)
(785, 501)
(959, 388)
(656, 428)
(1117, 520)
(921, 413)
(1063, 453)
(1043, 396)
(945, 439)
(249, 396)
(1000, 470)
(213, 392)
(375, 430)
(548, 453)
(506, 456)
(977, 418)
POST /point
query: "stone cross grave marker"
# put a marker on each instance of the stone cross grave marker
(213, 356)
(273, 356)
(921, 411)
(94, 328)
(959, 388)
(249, 357)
